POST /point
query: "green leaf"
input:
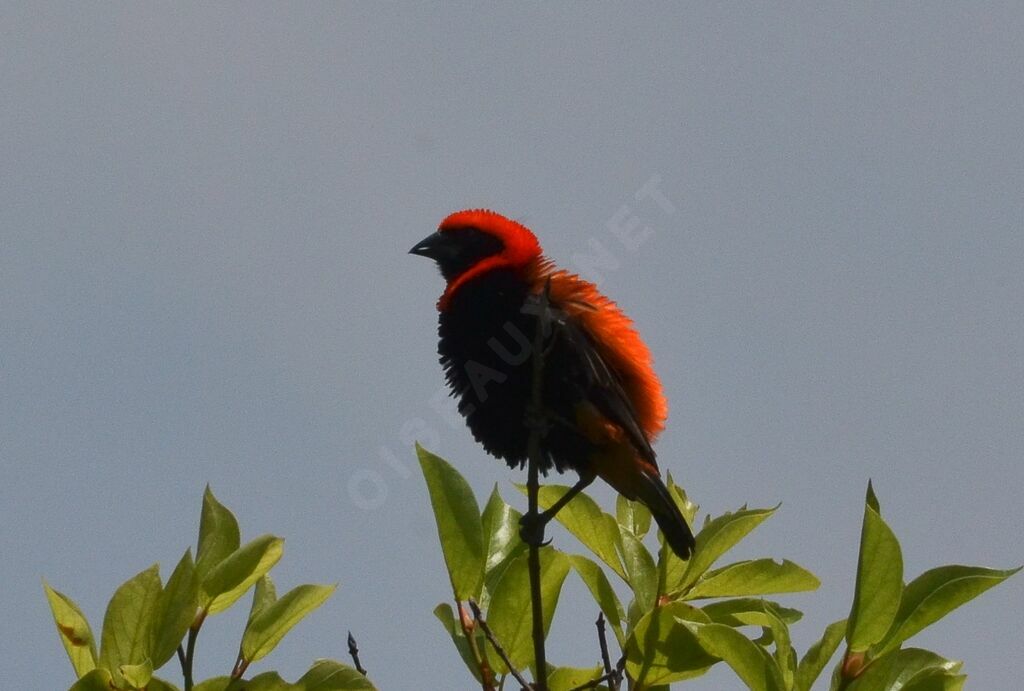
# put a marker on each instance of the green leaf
(756, 577)
(752, 664)
(732, 611)
(218, 534)
(265, 593)
(661, 650)
(126, 624)
(674, 567)
(175, 611)
(74, 631)
(641, 572)
(502, 542)
(510, 613)
(214, 684)
(569, 678)
(879, 585)
(936, 593)
(772, 619)
(158, 684)
(500, 530)
(597, 583)
(935, 680)
(686, 507)
(137, 676)
(458, 524)
(98, 679)
(453, 626)
(633, 516)
(597, 530)
(818, 655)
(718, 536)
(328, 675)
(230, 579)
(272, 622)
(896, 670)
(268, 681)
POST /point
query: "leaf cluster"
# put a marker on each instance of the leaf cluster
(674, 619)
(149, 622)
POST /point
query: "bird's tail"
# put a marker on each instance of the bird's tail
(653, 493)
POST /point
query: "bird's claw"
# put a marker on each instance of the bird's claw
(531, 529)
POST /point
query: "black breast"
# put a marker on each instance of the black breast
(485, 347)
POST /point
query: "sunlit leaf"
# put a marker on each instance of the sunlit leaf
(500, 529)
(569, 678)
(893, 671)
(751, 663)
(230, 579)
(98, 679)
(218, 535)
(641, 572)
(756, 577)
(662, 650)
(267, 681)
(633, 516)
(459, 524)
(686, 507)
(818, 655)
(510, 613)
(126, 624)
(137, 676)
(272, 622)
(501, 541)
(732, 611)
(597, 583)
(935, 680)
(175, 611)
(716, 538)
(265, 593)
(879, 584)
(936, 593)
(74, 631)
(327, 675)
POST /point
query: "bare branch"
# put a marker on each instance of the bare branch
(479, 617)
(353, 651)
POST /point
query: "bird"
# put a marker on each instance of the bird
(601, 403)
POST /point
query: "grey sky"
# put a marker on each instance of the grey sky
(204, 215)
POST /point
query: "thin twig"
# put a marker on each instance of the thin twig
(594, 683)
(603, 641)
(353, 651)
(497, 646)
(241, 664)
(612, 676)
(533, 488)
(487, 679)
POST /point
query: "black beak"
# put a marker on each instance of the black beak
(433, 246)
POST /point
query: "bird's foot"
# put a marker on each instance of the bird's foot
(531, 529)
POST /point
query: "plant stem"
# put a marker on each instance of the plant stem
(190, 651)
(533, 487)
(479, 617)
(487, 682)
